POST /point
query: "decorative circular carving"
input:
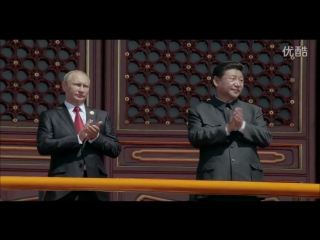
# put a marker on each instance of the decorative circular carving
(186, 123)
(188, 44)
(208, 99)
(15, 63)
(292, 101)
(292, 80)
(57, 64)
(291, 124)
(188, 66)
(126, 99)
(167, 99)
(293, 57)
(36, 120)
(147, 44)
(250, 101)
(36, 74)
(147, 88)
(250, 56)
(126, 76)
(167, 77)
(271, 68)
(78, 54)
(209, 56)
(36, 96)
(127, 54)
(250, 79)
(187, 110)
(36, 52)
(271, 46)
(168, 55)
(15, 40)
(167, 123)
(126, 122)
(271, 124)
(188, 89)
(147, 66)
(15, 107)
(146, 122)
(271, 90)
(209, 78)
(15, 85)
(57, 42)
(57, 86)
(14, 120)
(146, 110)
(229, 45)
(271, 112)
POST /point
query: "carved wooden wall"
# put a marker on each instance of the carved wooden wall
(148, 86)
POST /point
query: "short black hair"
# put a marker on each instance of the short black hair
(220, 69)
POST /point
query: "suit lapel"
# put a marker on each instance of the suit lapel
(65, 115)
(91, 114)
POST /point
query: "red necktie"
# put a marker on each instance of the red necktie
(77, 120)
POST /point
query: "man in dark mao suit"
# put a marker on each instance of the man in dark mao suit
(227, 132)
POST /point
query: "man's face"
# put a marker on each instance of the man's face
(76, 89)
(230, 85)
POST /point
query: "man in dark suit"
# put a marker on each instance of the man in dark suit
(227, 132)
(77, 138)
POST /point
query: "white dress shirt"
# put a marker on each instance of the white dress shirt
(83, 116)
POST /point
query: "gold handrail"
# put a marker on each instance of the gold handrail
(307, 190)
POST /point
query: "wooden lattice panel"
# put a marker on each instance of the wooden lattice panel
(31, 72)
(166, 77)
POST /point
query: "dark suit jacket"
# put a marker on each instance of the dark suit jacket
(222, 157)
(57, 137)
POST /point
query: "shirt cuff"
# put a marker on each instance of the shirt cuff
(90, 141)
(80, 142)
(227, 130)
(242, 127)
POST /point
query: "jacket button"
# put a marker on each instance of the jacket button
(232, 146)
(233, 160)
(80, 165)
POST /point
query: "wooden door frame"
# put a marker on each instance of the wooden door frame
(317, 111)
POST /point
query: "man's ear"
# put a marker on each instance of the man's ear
(215, 81)
(64, 86)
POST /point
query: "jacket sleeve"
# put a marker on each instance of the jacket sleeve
(46, 142)
(258, 132)
(107, 142)
(200, 136)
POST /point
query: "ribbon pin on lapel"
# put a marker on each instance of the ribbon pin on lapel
(91, 112)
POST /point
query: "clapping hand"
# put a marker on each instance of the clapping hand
(238, 117)
(92, 130)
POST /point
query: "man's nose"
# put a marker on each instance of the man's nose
(81, 88)
(237, 82)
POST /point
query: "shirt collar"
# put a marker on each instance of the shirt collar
(71, 107)
(222, 104)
